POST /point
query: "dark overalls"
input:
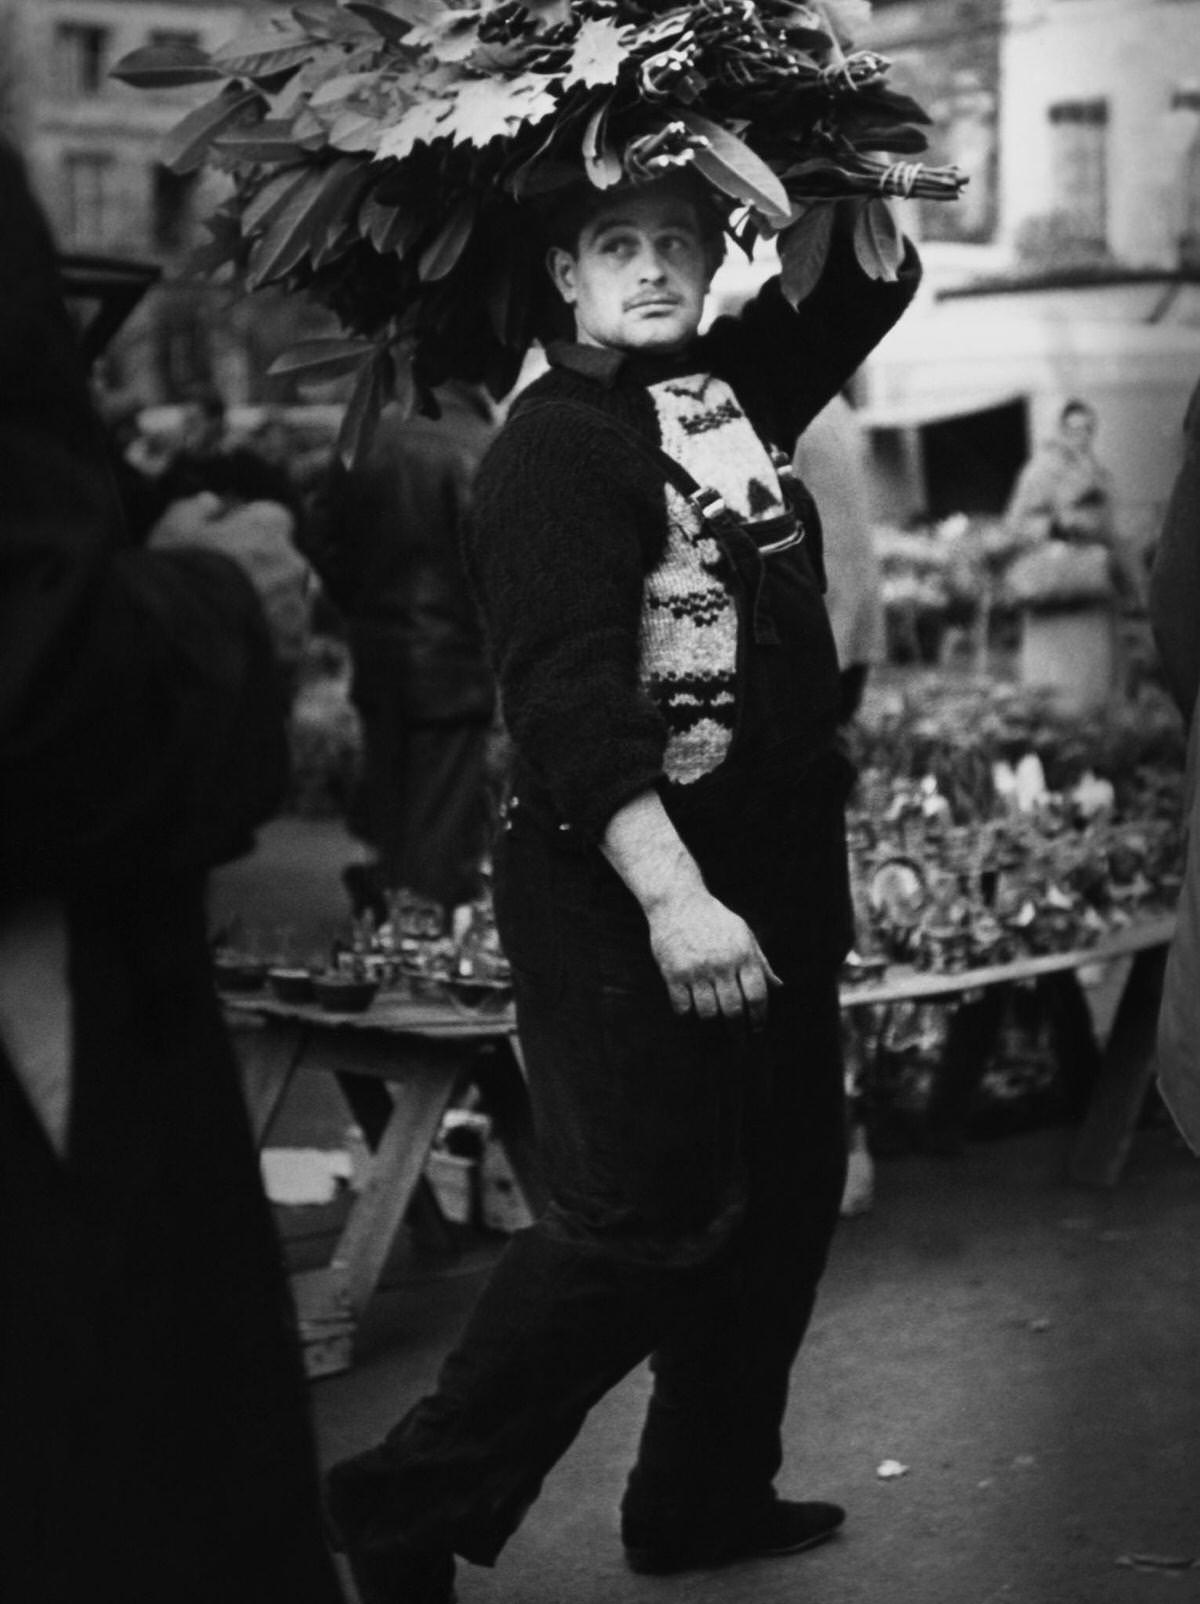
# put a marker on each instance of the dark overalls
(694, 1168)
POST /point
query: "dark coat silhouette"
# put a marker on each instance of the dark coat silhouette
(155, 1442)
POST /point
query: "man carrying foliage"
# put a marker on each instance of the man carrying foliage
(672, 895)
(671, 881)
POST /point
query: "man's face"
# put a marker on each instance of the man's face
(638, 277)
(1078, 430)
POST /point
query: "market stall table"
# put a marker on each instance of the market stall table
(401, 1063)
(1127, 1059)
(399, 1066)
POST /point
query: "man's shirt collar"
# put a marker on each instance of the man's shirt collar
(599, 362)
(604, 364)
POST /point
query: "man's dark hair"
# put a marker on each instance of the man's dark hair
(566, 216)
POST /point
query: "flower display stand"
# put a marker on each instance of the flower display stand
(1071, 653)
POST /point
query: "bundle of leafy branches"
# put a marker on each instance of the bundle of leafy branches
(385, 157)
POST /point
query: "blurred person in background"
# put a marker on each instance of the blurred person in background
(1064, 492)
(1174, 603)
(831, 458)
(155, 1442)
(209, 456)
(235, 512)
(422, 686)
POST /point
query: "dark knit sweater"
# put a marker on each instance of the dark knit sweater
(568, 522)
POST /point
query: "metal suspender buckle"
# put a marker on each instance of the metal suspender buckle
(786, 544)
(708, 503)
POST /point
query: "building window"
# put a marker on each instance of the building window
(1079, 166)
(89, 200)
(170, 208)
(80, 59)
(1187, 102)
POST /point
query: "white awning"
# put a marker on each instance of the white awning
(915, 411)
(950, 359)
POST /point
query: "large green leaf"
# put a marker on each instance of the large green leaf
(262, 55)
(166, 67)
(388, 24)
(342, 87)
(902, 139)
(882, 98)
(335, 225)
(184, 148)
(424, 122)
(271, 199)
(326, 357)
(323, 19)
(486, 108)
(597, 54)
(418, 13)
(600, 160)
(441, 255)
(270, 141)
(355, 131)
(367, 401)
(389, 228)
(878, 242)
(732, 167)
(449, 35)
(285, 242)
(803, 250)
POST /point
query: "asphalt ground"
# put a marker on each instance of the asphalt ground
(1027, 1350)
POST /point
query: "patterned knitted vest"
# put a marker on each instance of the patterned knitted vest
(689, 626)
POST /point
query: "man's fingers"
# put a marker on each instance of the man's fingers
(680, 994)
(729, 995)
(753, 980)
(707, 1003)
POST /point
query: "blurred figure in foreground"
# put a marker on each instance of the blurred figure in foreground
(155, 1442)
(422, 686)
(1174, 602)
(831, 458)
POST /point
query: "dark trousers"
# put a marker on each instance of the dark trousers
(423, 802)
(694, 1172)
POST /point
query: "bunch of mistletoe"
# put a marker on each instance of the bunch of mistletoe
(384, 157)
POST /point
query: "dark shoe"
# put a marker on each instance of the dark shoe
(783, 1528)
(384, 1570)
(394, 1576)
(391, 1575)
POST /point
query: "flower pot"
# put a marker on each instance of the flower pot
(340, 994)
(1072, 654)
(477, 995)
(291, 985)
(236, 974)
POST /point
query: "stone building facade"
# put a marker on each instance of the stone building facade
(1100, 132)
(947, 54)
(91, 144)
